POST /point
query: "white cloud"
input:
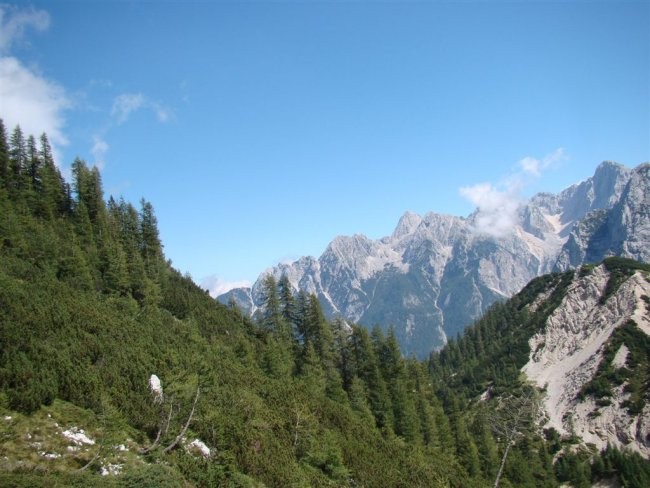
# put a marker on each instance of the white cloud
(27, 98)
(99, 149)
(216, 286)
(161, 112)
(33, 102)
(534, 167)
(127, 103)
(497, 205)
(14, 21)
(496, 209)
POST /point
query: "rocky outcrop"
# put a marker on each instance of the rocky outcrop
(567, 353)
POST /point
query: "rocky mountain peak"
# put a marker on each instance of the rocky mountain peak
(407, 224)
(602, 190)
(435, 274)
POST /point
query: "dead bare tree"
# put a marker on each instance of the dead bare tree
(163, 426)
(514, 416)
(180, 436)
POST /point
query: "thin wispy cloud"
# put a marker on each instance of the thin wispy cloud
(99, 150)
(27, 98)
(497, 205)
(216, 286)
(534, 167)
(124, 105)
(14, 22)
(127, 103)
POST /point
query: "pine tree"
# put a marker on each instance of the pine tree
(487, 447)
(270, 304)
(366, 368)
(54, 195)
(152, 251)
(358, 399)
(466, 449)
(17, 161)
(33, 163)
(288, 305)
(4, 156)
(426, 417)
(341, 332)
(311, 371)
(301, 305)
(394, 373)
(128, 223)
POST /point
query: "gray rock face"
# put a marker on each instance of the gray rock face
(437, 273)
(567, 352)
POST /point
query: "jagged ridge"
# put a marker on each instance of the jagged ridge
(437, 273)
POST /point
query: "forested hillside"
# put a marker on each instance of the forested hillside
(90, 309)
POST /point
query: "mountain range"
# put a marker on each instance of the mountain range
(437, 273)
(117, 370)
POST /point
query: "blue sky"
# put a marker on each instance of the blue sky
(262, 130)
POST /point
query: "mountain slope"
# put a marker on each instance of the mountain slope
(437, 273)
(582, 337)
(592, 357)
(90, 311)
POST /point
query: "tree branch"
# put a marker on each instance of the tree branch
(180, 436)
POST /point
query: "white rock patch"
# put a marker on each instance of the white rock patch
(156, 388)
(78, 436)
(111, 470)
(50, 455)
(198, 446)
(621, 357)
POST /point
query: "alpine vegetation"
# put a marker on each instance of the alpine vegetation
(117, 370)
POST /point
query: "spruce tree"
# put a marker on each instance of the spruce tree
(285, 295)
(152, 252)
(17, 161)
(366, 368)
(271, 316)
(4, 156)
(54, 195)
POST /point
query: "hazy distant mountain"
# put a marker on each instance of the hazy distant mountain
(437, 273)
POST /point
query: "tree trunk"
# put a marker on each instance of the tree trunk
(503, 463)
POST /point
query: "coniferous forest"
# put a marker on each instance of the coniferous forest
(90, 309)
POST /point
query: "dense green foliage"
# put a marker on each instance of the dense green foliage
(582, 468)
(90, 308)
